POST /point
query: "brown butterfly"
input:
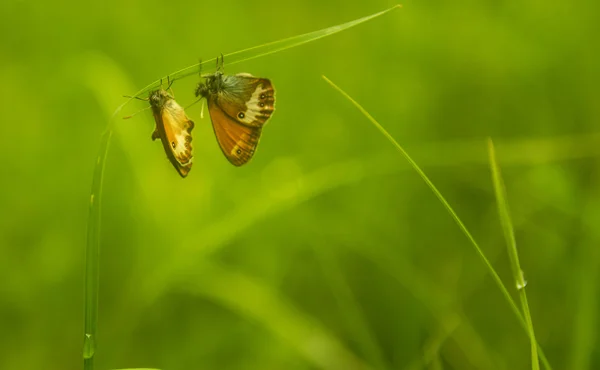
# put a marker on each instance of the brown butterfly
(239, 107)
(173, 128)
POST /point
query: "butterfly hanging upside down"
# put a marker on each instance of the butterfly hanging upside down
(239, 107)
(173, 128)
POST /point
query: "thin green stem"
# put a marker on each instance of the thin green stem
(92, 262)
(263, 50)
(509, 235)
(450, 210)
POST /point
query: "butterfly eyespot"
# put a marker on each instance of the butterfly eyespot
(173, 144)
(262, 104)
(239, 151)
(262, 96)
(241, 115)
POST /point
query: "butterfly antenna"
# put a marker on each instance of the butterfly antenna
(193, 103)
(222, 63)
(200, 67)
(131, 115)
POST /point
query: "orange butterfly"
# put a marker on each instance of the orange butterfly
(239, 107)
(174, 129)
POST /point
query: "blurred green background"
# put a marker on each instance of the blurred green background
(327, 251)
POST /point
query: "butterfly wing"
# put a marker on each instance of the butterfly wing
(247, 99)
(174, 129)
(237, 141)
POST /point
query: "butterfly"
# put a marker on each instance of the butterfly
(239, 106)
(173, 128)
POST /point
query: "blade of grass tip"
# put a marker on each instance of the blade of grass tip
(266, 49)
(450, 210)
(511, 244)
(273, 47)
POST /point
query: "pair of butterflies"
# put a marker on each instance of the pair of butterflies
(239, 106)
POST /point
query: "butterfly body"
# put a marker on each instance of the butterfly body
(239, 106)
(174, 130)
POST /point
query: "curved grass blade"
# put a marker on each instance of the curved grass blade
(105, 79)
(92, 261)
(92, 277)
(511, 244)
(450, 210)
(264, 49)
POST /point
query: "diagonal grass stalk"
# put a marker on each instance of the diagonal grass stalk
(450, 210)
(92, 277)
(263, 50)
(509, 235)
(92, 261)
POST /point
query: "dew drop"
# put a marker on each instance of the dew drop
(521, 282)
(89, 346)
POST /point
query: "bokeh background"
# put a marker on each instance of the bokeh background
(327, 251)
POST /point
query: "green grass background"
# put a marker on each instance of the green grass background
(327, 250)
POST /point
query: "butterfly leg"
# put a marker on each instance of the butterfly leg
(169, 83)
(220, 68)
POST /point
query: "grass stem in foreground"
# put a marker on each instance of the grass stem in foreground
(450, 210)
(509, 235)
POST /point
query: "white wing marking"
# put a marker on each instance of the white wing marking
(179, 132)
(253, 109)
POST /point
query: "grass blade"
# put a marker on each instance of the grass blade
(265, 49)
(585, 334)
(105, 79)
(450, 210)
(511, 244)
(92, 261)
(92, 276)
